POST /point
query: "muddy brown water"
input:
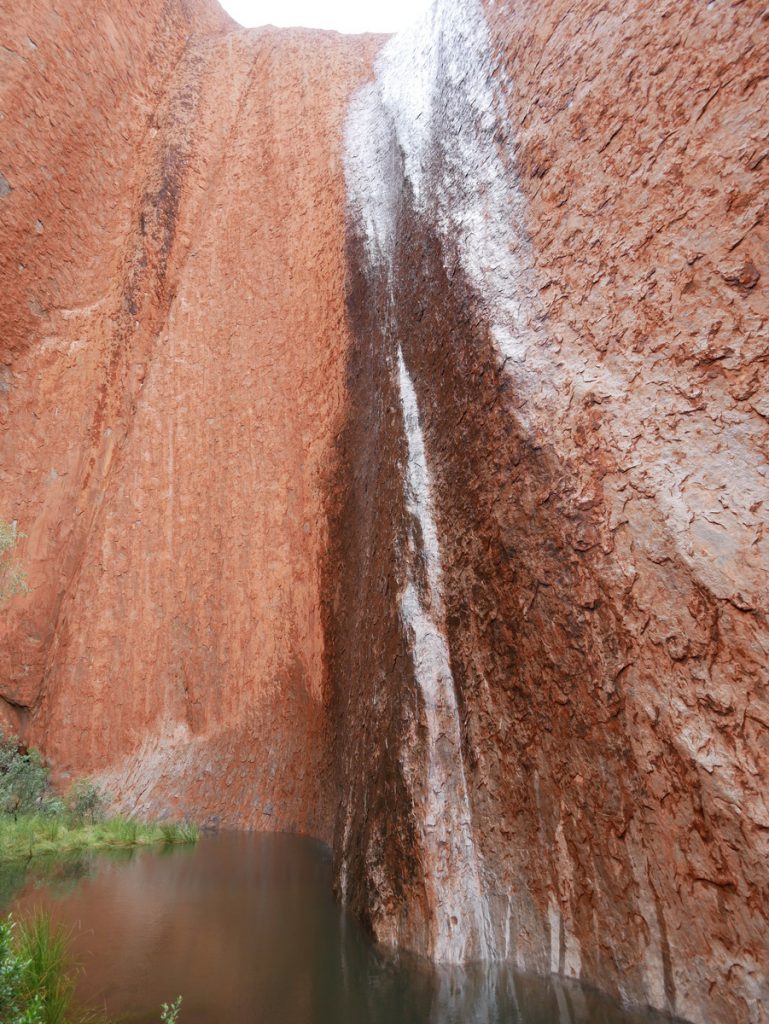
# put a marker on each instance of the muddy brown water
(246, 929)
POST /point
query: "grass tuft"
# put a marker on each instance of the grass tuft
(37, 977)
(34, 835)
(48, 974)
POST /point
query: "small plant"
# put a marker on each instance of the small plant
(11, 974)
(170, 1012)
(184, 832)
(13, 579)
(123, 832)
(86, 802)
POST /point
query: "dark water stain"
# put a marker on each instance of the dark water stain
(246, 929)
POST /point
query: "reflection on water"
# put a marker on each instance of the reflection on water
(245, 928)
(57, 875)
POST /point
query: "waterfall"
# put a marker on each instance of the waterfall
(461, 927)
(438, 73)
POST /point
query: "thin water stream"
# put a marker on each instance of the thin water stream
(246, 929)
(462, 927)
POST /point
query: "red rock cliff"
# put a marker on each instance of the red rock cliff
(472, 573)
(173, 346)
(558, 483)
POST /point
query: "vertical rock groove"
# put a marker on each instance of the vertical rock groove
(458, 904)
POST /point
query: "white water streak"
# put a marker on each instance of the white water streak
(461, 919)
(436, 116)
(431, 119)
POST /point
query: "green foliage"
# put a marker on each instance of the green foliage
(15, 1005)
(48, 978)
(37, 978)
(185, 832)
(86, 802)
(53, 807)
(35, 821)
(13, 579)
(33, 835)
(170, 1011)
(23, 778)
(11, 975)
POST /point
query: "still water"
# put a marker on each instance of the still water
(246, 929)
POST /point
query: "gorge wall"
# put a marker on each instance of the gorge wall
(557, 497)
(174, 345)
(389, 433)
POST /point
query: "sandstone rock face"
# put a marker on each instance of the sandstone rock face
(553, 536)
(173, 350)
(469, 574)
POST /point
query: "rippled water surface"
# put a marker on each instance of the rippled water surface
(246, 929)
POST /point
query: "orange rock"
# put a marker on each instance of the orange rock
(560, 221)
(174, 342)
(471, 574)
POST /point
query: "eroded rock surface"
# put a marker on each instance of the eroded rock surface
(558, 231)
(470, 574)
(173, 350)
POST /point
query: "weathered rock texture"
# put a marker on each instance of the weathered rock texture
(173, 346)
(558, 233)
(476, 568)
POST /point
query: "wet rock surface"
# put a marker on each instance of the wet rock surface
(560, 221)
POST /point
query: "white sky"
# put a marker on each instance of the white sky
(343, 15)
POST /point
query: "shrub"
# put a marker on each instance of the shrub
(53, 807)
(86, 802)
(23, 777)
(13, 579)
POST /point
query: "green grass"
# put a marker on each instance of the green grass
(48, 973)
(37, 976)
(34, 835)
